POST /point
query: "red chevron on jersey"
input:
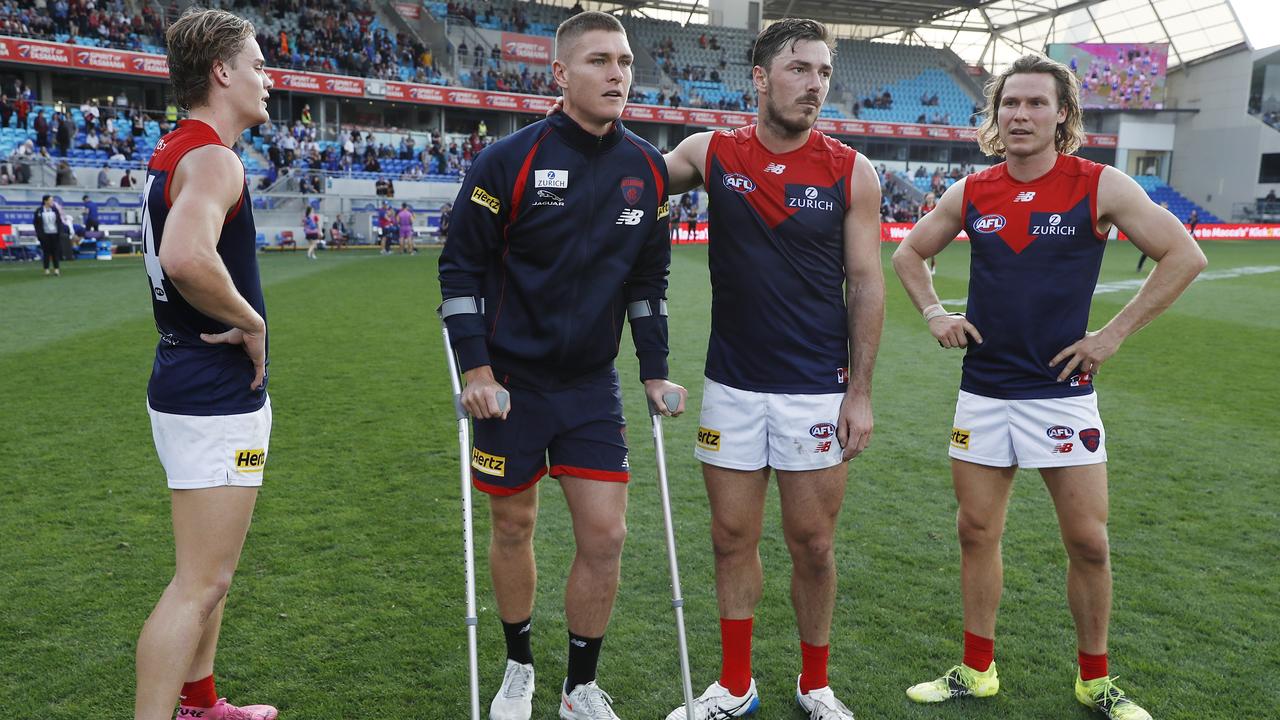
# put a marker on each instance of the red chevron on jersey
(807, 180)
(776, 256)
(1035, 258)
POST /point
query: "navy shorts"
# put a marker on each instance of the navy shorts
(579, 431)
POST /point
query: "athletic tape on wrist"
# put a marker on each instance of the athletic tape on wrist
(933, 311)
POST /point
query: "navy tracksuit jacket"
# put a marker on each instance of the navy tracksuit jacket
(556, 232)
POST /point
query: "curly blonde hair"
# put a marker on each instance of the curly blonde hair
(1070, 134)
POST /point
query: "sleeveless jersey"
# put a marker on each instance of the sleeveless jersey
(189, 376)
(776, 255)
(1035, 262)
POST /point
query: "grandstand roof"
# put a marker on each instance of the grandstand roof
(993, 33)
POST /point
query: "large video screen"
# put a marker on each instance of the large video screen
(1117, 76)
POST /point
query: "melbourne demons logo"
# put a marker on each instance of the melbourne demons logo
(632, 189)
(989, 224)
(739, 183)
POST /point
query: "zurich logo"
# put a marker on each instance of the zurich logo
(739, 183)
(1054, 219)
(811, 192)
(989, 223)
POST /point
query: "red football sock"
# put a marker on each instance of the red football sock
(813, 666)
(978, 651)
(199, 694)
(1092, 666)
(735, 655)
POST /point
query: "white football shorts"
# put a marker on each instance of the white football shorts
(745, 430)
(199, 451)
(1054, 432)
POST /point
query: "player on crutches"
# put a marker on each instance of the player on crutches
(560, 233)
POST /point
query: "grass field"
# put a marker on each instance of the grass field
(348, 602)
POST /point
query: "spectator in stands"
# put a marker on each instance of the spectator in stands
(21, 158)
(64, 175)
(462, 49)
(6, 110)
(104, 180)
(126, 180)
(90, 140)
(21, 107)
(48, 224)
(6, 175)
(62, 133)
(305, 118)
(41, 126)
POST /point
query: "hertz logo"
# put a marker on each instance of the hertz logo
(664, 209)
(709, 439)
(485, 200)
(495, 465)
(251, 461)
(959, 438)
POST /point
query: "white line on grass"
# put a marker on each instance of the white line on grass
(1121, 285)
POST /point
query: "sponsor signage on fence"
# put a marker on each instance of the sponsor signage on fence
(515, 47)
(526, 48)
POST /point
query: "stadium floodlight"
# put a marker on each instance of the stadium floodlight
(672, 401)
(468, 540)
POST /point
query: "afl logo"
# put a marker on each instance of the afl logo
(739, 183)
(822, 430)
(989, 224)
(1060, 432)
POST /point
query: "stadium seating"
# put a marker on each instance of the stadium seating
(865, 70)
(1180, 206)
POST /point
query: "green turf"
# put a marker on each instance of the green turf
(348, 602)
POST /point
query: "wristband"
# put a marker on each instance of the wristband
(933, 311)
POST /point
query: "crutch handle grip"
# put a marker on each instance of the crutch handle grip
(672, 400)
(504, 398)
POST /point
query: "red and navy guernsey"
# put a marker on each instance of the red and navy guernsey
(778, 317)
(1035, 261)
(557, 231)
(190, 376)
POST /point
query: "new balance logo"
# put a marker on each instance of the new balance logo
(775, 168)
(1025, 196)
(630, 216)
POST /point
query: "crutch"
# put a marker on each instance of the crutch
(672, 401)
(468, 545)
